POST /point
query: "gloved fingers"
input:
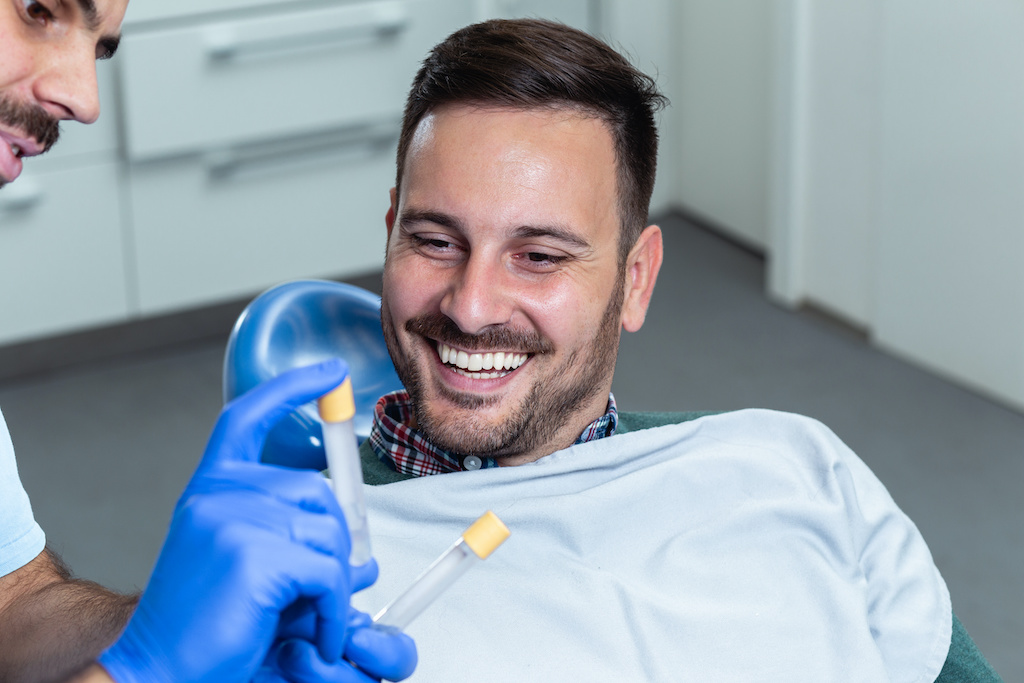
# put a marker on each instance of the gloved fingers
(297, 661)
(310, 576)
(268, 673)
(243, 424)
(321, 532)
(234, 514)
(306, 489)
(382, 652)
(357, 620)
(364, 575)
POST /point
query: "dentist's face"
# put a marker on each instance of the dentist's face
(48, 53)
(502, 287)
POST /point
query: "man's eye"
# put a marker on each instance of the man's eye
(432, 242)
(540, 257)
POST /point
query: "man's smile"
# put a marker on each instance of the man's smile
(480, 365)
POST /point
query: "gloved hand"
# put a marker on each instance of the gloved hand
(246, 542)
(375, 653)
(371, 654)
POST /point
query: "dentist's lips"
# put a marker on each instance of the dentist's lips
(12, 151)
(10, 162)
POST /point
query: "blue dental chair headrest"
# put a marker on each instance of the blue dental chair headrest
(300, 323)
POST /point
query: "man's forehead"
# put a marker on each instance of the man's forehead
(513, 119)
(462, 130)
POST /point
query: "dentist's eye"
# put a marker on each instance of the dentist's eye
(37, 11)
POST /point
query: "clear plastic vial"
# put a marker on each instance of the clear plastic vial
(475, 544)
(337, 408)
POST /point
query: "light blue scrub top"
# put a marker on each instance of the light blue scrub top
(21, 538)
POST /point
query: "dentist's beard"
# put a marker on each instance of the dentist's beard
(30, 120)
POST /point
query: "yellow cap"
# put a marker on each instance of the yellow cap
(338, 404)
(485, 534)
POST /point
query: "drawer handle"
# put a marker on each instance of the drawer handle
(353, 143)
(225, 42)
(23, 195)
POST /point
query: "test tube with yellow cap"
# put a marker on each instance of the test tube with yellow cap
(337, 408)
(476, 543)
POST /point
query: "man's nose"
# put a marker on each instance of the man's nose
(67, 87)
(478, 296)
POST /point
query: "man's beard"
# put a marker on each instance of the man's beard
(550, 405)
(31, 120)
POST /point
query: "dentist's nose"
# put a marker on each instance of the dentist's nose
(67, 87)
(477, 297)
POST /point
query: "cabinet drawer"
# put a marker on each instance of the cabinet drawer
(61, 259)
(204, 235)
(205, 87)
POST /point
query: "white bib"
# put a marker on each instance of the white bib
(751, 545)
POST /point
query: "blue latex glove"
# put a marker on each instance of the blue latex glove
(374, 653)
(371, 654)
(246, 542)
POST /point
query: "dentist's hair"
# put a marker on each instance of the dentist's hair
(529, 64)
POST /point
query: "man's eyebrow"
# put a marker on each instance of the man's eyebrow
(92, 22)
(410, 216)
(551, 231)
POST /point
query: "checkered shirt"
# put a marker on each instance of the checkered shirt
(406, 450)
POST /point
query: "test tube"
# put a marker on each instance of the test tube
(476, 543)
(337, 408)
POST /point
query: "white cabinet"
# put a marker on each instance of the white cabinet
(209, 86)
(61, 257)
(261, 147)
(201, 237)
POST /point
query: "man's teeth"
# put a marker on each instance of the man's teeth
(16, 149)
(475, 362)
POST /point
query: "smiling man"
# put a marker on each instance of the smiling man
(645, 546)
(504, 282)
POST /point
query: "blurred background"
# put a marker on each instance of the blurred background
(840, 186)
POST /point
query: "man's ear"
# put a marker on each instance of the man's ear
(389, 217)
(642, 266)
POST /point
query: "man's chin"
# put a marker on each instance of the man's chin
(463, 429)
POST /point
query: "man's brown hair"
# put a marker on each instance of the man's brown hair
(531, 63)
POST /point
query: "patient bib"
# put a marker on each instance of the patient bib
(752, 545)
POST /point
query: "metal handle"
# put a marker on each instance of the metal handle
(22, 195)
(348, 144)
(305, 31)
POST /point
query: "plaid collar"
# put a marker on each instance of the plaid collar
(406, 450)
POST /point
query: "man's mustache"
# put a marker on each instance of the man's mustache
(441, 328)
(30, 120)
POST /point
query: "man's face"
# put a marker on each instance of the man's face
(48, 53)
(503, 251)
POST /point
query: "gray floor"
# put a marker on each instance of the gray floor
(105, 449)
